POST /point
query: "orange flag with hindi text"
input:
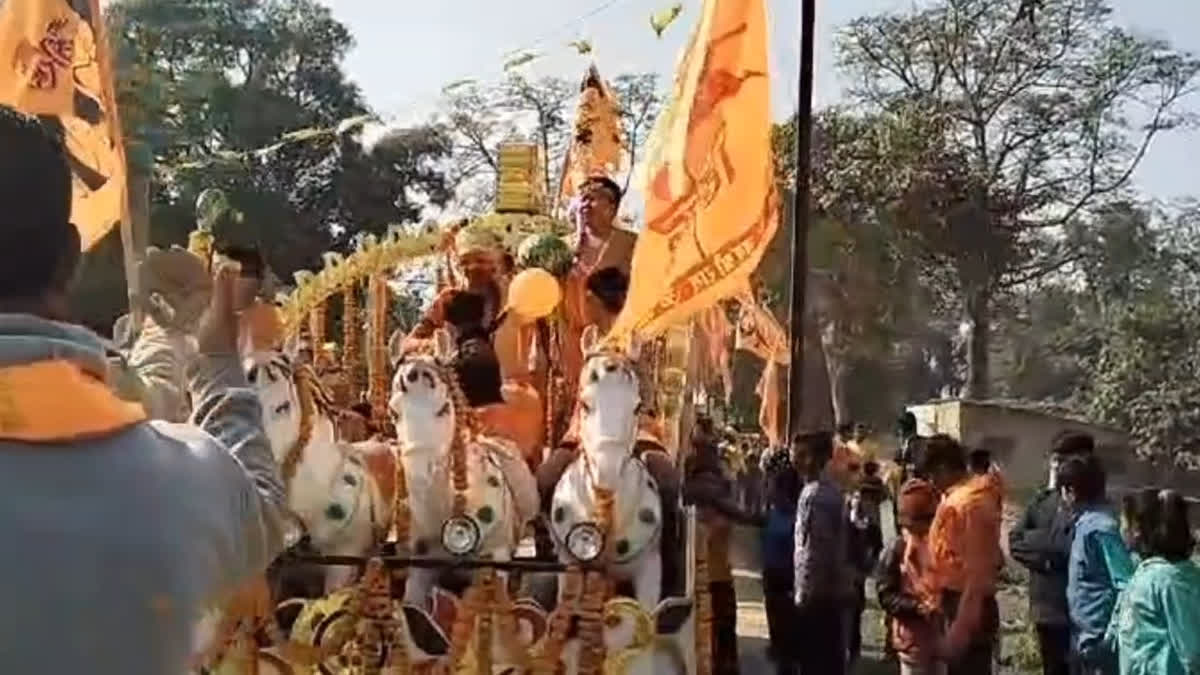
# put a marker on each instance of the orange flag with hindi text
(708, 181)
(55, 63)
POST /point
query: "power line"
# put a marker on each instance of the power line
(545, 37)
(570, 24)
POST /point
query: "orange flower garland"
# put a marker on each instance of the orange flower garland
(377, 355)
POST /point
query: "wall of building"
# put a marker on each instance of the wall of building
(1018, 439)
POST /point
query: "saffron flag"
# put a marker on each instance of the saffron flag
(711, 206)
(55, 63)
(760, 334)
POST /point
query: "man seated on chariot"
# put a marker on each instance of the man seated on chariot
(480, 256)
(508, 409)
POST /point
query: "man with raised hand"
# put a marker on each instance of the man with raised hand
(121, 530)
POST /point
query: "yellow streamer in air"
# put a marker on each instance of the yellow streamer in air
(519, 60)
(581, 46)
(661, 19)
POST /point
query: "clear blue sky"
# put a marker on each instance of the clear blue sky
(408, 49)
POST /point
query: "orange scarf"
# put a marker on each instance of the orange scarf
(51, 401)
(519, 419)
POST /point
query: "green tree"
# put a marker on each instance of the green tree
(1136, 331)
(208, 89)
(480, 116)
(995, 135)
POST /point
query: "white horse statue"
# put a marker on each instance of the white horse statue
(606, 507)
(445, 460)
(337, 491)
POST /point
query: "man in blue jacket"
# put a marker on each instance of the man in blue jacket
(120, 530)
(1098, 567)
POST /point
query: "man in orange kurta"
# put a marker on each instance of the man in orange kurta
(964, 542)
(599, 244)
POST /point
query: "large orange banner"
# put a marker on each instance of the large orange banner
(55, 63)
(711, 206)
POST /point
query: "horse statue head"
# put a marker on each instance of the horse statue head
(459, 496)
(606, 507)
(296, 409)
(425, 404)
(609, 400)
(334, 489)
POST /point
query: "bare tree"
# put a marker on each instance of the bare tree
(641, 100)
(1021, 127)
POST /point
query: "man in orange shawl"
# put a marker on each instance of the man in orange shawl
(964, 541)
(189, 511)
(599, 244)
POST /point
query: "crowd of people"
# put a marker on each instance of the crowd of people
(1112, 587)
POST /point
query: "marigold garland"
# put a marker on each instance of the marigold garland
(378, 384)
(317, 321)
(548, 660)
(350, 338)
(704, 618)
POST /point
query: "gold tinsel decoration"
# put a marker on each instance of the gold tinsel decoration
(350, 341)
(378, 386)
(591, 623)
(548, 660)
(380, 644)
(400, 247)
(317, 321)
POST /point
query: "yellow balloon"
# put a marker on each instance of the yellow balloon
(533, 294)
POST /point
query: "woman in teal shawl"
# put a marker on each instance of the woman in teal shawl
(1156, 626)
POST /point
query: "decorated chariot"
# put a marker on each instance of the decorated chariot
(435, 553)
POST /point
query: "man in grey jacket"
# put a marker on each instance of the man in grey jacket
(119, 531)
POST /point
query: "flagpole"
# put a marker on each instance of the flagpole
(800, 215)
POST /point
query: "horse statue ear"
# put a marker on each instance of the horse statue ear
(395, 347)
(591, 336)
(443, 345)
